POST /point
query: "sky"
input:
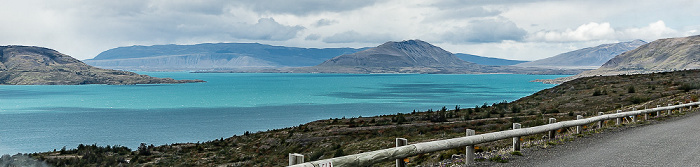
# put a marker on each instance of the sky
(518, 30)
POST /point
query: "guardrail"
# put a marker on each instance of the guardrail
(400, 152)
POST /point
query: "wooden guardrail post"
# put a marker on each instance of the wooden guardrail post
(470, 149)
(600, 123)
(401, 142)
(618, 120)
(516, 140)
(579, 129)
(552, 133)
(295, 158)
(646, 115)
(690, 107)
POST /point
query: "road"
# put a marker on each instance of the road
(674, 142)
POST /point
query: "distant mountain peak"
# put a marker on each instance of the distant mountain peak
(408, 53)
(661, 55)
(411, 42)
(590, 57)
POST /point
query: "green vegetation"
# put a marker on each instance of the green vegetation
(329, 138)
(518, 153)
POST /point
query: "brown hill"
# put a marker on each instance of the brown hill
(410, 53)
(30, 65)
(662, 55)
(586, 58)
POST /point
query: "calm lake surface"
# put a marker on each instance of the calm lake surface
(43, 118)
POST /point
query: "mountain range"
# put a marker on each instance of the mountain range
(232, 56)
(586, 58)
(30, 65)
(212, 56)
(411, 56)
(661, 55)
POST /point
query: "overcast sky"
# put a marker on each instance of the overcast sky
(520, 30)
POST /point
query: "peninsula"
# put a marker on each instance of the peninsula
(31, 65)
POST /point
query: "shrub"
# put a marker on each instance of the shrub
(637, 99)
(630, 89)
(686, 87)
(339, 153)
(316, 155)
(597, 93)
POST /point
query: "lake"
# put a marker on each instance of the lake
(39, 118)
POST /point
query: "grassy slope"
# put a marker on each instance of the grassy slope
(328, 138)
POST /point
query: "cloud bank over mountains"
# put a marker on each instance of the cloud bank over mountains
(522, 30)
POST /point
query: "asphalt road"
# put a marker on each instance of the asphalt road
(674, 142)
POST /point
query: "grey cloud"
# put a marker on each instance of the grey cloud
(355, 37)
(486, 30)
(266, 29)
(153, 21)
(303, 7)
(462, 14)
(452, 4)
(312, 37)
(324, 22)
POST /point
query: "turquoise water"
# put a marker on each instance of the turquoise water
(43, 118)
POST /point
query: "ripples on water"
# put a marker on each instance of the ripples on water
(43, 118)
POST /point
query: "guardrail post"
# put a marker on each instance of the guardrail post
(516, 140)
(619, 119)
(579, 128)
(680, 109)
(470, 149)
(669, 110)
(295, 158)
(634, 117)
(657, 111)
(600, 123)
(552, 133)
(691, 106)
(401, 142)
(646, 115)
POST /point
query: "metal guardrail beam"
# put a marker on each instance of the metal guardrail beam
(369, 158)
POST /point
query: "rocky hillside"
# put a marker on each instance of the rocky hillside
(586, 58)
(662, 55)
(212, 56)
(29, 65)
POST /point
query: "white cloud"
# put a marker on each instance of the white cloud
(585, 32)
(352, 36)
(603, 31)
(265, 29)
(653, 31)
(499, 28)
(485, 31)
(305, 7)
